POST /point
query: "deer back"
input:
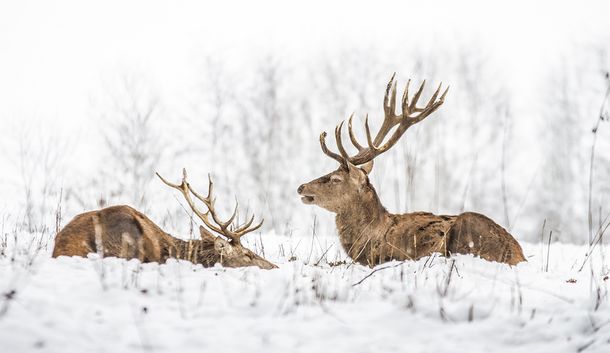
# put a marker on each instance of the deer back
(119, 231)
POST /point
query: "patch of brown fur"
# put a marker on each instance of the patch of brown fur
(122, 231)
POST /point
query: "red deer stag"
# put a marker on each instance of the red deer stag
(122, 231)
(368, 232)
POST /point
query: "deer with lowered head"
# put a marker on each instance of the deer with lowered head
(122, 231)
(368, 233)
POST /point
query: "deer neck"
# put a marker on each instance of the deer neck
(361, 223)
(184, 249)
(196, 251)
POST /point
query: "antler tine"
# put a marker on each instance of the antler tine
(339, 141)
(232, 218)
(175, 186)
(442, 99)
(390, 118)
(430, 103)
(245, 228)
(241, 232)
(405, 98)
(369, 139)
(209, 201)
(329, 153)
(245, 225)
(433, 98)
(223, 228)
(403, 121)
(352, 137)
(413, 104)
(185, 188)
(343, 157)
(389, 100)
(210, 186)
(387, 92)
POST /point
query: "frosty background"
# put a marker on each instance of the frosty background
(95, 97)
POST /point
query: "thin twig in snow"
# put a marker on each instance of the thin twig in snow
(376, 270)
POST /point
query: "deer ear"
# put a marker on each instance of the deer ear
(358, 174)
(367, 167)
(205, 234)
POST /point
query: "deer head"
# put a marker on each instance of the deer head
(228, 243)
(349, 184)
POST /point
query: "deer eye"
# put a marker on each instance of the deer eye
(336, 179)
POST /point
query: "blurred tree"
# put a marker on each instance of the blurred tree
(560, 196)
(134, 145)
(41, 164)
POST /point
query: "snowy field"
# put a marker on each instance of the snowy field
(316, 301)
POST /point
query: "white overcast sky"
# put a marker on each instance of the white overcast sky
(54, 54)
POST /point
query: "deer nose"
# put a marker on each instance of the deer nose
(300, 189)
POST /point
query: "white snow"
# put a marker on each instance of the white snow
(463, 304)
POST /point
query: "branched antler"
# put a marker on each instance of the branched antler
(225, 228)
(411, 115)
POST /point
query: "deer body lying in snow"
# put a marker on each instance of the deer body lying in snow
(370, 234)
(122, 231)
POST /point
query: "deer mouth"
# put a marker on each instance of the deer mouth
(307, 199)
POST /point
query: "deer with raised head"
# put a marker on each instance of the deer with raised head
(122, 231)
(368, 233)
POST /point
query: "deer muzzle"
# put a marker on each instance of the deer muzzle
(305, 197)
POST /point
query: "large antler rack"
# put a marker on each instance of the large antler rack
(224, 228)
(410, 115)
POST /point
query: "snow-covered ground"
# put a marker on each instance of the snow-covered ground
(314, 302)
